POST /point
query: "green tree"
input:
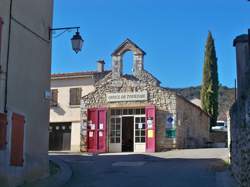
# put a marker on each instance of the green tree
(210, 85)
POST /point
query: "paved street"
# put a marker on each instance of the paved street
(184, 168)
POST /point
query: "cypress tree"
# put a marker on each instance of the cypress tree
(210, 85)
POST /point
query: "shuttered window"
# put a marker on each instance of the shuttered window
(3, 130)
(54, 98)
(17, 140)
(75, 96)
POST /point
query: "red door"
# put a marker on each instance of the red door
(150, 131)
(97, 129)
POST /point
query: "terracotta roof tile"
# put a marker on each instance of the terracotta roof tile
(73, 74)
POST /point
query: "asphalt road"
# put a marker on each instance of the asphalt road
(185, 168)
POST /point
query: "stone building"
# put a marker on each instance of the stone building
(240, 114)
(25, 60)
(134, 113)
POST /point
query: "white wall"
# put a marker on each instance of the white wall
(75, 137)
(64, 112)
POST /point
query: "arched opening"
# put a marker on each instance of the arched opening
(127, 60)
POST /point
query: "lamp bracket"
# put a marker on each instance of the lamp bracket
(62, 28)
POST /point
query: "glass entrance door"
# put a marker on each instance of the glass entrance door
(115, 134)
(127, 130)
(139, 134)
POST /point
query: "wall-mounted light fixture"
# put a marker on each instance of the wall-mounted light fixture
(76, 40)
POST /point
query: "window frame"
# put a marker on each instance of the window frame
(78, 93)
(54, 98)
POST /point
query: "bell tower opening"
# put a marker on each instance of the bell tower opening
(127, 62)
(118, 59)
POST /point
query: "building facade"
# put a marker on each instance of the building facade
(67, 90)
(134, 113)
(240, 114)
(25, 60)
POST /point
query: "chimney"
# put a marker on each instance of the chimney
(100, 66)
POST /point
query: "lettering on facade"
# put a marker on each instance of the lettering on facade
(134, 96)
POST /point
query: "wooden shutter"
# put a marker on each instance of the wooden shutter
(78, 96)
(17, 140)
(54, 99)
(75, 96)
(3, 130)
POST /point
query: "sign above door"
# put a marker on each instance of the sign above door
(127, 96)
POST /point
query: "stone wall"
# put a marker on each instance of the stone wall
(192, 117)
(163, 99)
(240, 115)
(192, 128)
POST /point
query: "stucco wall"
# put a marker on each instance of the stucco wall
(28, 79)
(192, 125)
(64, 112)
(4, 14)
(75, 137)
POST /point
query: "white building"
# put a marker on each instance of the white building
(67, 90)
(25, 60)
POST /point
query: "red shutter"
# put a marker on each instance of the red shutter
(97, 130)
(17, 140)
(3, 130)
(150, 135)
(102, 130)
(92, 132)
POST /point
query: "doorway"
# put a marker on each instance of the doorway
(128, 134)
(59, 136)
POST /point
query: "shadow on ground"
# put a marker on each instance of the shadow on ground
(141, 170)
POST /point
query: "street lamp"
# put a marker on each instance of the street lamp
(76, 40)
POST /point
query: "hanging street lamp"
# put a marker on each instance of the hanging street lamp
(76, 40)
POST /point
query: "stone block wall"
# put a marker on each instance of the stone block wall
(191, 118)
(218, 137)
(240, 115)
(192, 125)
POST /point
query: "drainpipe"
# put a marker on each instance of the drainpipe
(7, 62)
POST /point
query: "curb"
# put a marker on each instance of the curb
(57, 180)
(61, 177)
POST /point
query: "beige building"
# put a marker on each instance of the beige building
(67, 90)
(25, 60)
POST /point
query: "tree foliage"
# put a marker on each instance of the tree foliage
(210, 85)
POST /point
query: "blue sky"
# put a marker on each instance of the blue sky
(172, 33)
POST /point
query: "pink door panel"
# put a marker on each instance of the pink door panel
(150, 131)
(97, 130)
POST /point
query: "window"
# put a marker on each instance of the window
(54, 98)
(17, 140)
(75, 96)
(115, 131)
